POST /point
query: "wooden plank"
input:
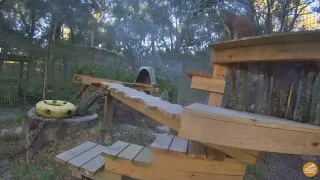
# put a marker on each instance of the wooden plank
(197, 73)
(115, 149)
(96, 81)
(108, 111)
(85, 157)
(172, 122)
(249, 135)
(162, 142)
(219, 72)
(196, 150)
(179, 146)
(85, 94)
(93, 166)
(306, 51)
(144, 158)
(130, 152)
(252, 119)
(280, 38)
(214, 154)
(199, 165)
(208, 84)
(160, 173)
(239, 154)
(101, 175)
(66, 156)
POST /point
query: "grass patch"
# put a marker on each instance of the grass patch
(20, 170)
(97, 128)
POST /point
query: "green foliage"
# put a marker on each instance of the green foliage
(23, 171)
(166, 85)
(90, 69)
(98, 127)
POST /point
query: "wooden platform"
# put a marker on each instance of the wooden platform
(168, 158)
(248, 131)
(159, 110)
(296, 46)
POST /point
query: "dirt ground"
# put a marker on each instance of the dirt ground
(127, 127)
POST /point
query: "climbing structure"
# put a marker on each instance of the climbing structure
(214, 142)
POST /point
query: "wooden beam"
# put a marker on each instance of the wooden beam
(279, 38)
(170, 121)
(303, 51)
(244, 130)
(208, 84)
(219, 73)
(197, 73)
(97, 82)
(108, 111)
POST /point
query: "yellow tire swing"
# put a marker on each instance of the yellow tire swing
(55, 108)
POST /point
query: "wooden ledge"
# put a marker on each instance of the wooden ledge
(250, 131)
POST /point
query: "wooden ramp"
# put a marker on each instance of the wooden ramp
(159, 110)
(169, 158)
(248, 131)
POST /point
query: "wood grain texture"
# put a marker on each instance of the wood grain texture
(307, 51)
(252, 119)
(179, 146)
(144, 158)
(85, 157)
(248, 135)
(67, 155)
(197, 73)
(162, 142)
(196, 150)
(129, 152)
(208, 84)
(208, 166)
(108, 111)
(160, 173)
(168, 119)
(113, 150)
(280, 38)
(93, 166)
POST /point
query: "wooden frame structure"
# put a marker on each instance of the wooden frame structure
(235, 137)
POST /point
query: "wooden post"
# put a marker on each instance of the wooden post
(45, 78)
(108, 111)
(219, 72)
(85, 94)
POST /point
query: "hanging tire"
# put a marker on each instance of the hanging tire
(55, 108)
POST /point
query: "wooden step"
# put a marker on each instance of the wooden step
(168, 158)
(231, 128)
(86, 160)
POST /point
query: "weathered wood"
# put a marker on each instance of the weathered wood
(129, 152)
(144, 158)
(178, 146)
(162, 142)
(279, 38)
(108, 111)
(85, 157)
(93, 166)
(67, 155)
(266, 53)
(208, 84)
(248, 131)
(200, 74)
(115, 149)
